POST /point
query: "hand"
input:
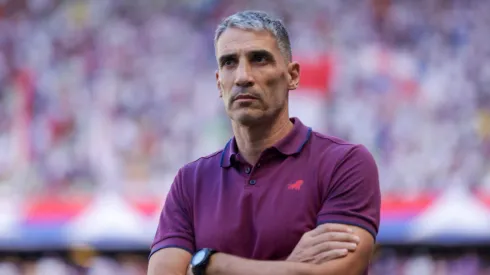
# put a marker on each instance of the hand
(324, 243)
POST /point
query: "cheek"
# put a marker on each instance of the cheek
(222, 86)
(226, 100)
(225, 97)
(225, 85)
(280, 96)
(277, 85)
(277, 79)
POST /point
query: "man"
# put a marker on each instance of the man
(279, 198)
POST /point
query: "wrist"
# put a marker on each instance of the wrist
(201, 260)
(314, 269)
(214, 265)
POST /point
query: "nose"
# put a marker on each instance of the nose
(244, 75)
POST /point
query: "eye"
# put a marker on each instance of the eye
(228, 63)
(259, 58)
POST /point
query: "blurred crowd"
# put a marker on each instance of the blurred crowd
(118, 94)
(427, 264)
(423, 264)
(113, 94)
(99, 265)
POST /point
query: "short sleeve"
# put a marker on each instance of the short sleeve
(352, 195)
(175, 228)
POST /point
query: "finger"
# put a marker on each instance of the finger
(330, 227)
(334, 237)
(327, 246)
(330, 255)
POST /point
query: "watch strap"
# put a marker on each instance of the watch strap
(200, 269)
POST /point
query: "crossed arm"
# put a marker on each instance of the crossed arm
(353, 196)
(175, 261)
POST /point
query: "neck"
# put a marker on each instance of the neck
(253, 140)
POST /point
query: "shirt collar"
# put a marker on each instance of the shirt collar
(291, 144)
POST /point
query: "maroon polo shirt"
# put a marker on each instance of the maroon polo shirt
(260, 212)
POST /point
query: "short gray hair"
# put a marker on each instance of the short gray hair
(257, 21)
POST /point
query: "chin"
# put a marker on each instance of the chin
(247, 117)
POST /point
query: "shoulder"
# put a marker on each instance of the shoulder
(203, 164)
(336, 152)
(335, 147)
(348, 171)
(187, 181)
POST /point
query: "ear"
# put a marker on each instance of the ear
(218, 84)
(293, 70)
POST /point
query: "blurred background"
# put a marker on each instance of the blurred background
(101, 101)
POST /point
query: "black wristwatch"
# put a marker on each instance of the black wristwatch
(200, 261)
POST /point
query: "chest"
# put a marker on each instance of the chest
(260, 221)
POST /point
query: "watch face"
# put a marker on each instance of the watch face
(199, 257)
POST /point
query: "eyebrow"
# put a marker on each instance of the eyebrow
(265, 53)
(229, 56)
(260, 52)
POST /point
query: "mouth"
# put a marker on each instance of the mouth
(245, 98)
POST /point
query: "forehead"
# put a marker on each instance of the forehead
(238, 41)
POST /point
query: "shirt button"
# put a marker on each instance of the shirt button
(252, 182)
(247, 170)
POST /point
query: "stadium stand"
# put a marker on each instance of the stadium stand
(96, 105)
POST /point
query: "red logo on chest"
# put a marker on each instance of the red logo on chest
(296, 185)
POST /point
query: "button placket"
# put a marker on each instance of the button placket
(248, 170)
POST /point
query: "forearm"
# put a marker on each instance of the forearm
(224, 264)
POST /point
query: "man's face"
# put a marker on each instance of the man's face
(253, 77)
